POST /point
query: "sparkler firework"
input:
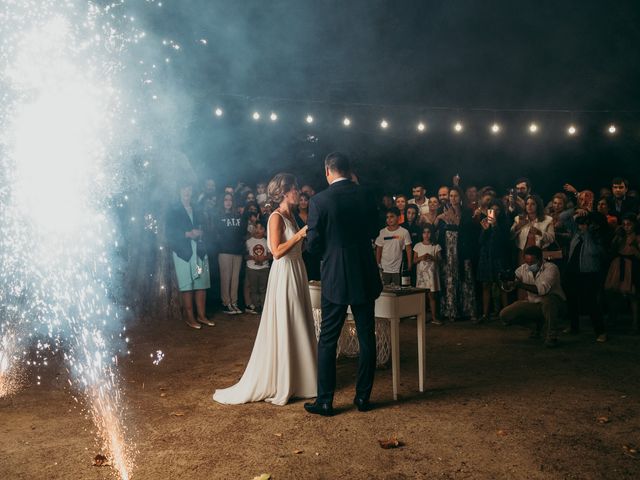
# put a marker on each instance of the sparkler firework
(60, 156)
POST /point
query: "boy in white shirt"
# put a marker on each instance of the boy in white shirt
(392, 242)
(258, 258)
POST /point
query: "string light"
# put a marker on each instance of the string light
(495, 128)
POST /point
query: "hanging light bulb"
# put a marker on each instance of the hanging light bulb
(533, 128)
(572, 130)
(218, 112)
(458, 127)
(612, 129)
(256, 116)
(384, 124)
(273, 116)
(495, 128)
(309, 119)
(346, 121)
(421, 127)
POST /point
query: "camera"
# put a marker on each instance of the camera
(507, 275)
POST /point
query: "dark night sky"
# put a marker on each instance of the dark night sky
(460, 54)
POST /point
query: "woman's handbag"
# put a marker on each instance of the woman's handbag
(553, 252)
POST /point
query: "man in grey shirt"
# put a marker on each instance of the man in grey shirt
(546, 301)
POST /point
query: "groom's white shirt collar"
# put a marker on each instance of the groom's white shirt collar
(339, 179)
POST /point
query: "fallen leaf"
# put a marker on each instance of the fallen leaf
(163, 394)
(391, 442)
(602, 419)
(264, 476)
(101, 461)
(177, 414)
(298, 452)
(630, 450)
(501, 433)
(278, 435)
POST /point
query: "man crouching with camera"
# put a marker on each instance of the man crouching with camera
(545, 302)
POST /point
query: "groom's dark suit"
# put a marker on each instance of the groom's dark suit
(342, 222)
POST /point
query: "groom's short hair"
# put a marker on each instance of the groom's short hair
(338, 163)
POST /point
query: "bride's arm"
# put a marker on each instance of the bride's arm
(280, 247)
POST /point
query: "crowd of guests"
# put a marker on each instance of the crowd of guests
(479, 252)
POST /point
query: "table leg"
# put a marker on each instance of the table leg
(421, 349)
(395, 354)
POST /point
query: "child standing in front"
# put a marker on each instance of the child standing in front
(261, 193)
(426, 257)
(392, 243)
(258, 258)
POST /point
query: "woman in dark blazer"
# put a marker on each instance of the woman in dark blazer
(185, 239)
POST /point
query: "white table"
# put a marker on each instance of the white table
(394, 304)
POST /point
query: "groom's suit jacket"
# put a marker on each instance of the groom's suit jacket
(342, 222)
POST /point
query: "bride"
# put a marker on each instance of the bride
(283, 361)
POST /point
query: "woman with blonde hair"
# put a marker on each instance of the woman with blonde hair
(283, 361)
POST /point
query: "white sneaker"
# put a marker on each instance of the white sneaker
(251, 309)
(237, 310)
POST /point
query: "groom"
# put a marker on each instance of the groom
(342, 222)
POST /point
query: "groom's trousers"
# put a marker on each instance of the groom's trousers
(333, 317)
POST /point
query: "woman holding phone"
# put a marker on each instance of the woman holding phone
(533, 228)
(494, 255)
(458, 297)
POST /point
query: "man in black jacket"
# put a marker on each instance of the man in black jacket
(621, 203)
(342, 221)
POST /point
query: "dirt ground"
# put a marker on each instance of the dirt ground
(497, 406)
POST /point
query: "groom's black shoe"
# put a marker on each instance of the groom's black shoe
(324, 409)
(362, 404)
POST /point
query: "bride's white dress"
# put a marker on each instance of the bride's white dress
(283, 362)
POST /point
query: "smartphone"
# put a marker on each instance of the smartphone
(491, 214)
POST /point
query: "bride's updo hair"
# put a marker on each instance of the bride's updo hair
(279, 186)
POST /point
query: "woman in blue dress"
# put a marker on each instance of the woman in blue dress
(185, 239)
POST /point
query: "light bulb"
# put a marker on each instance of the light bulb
(309, 119)
(346, 121)
(256, 116)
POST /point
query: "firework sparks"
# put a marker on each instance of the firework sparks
(158, 357)
(10, 372)
(59, 62)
